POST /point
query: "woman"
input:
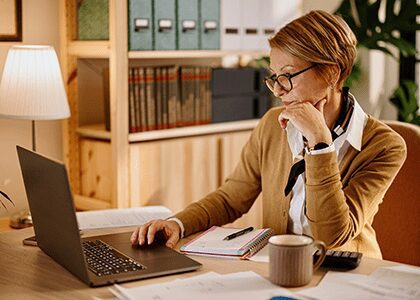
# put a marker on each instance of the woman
(322, 164)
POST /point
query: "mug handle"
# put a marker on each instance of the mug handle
(321, 246)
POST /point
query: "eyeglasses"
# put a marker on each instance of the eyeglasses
(283, 80)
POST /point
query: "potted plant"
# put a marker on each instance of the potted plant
(380, 24)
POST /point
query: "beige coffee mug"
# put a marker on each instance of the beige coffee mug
(291, 259)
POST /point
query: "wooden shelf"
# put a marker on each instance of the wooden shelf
(101, 49)
(89, 49)
(191, 54)
(97, 131)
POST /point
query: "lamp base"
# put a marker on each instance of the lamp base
(21, 220)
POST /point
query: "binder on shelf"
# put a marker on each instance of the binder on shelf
(158, 98)
(212, 243)
(230, 21)
(143, 98)
(250, 25)
(165, 98)
(187, 25)
(187, 96)
(164, 24)
(209, 24)
(275, 14)
(140, 25)
(93, 16)
(150, 98)
(174, 108)
(131, 99)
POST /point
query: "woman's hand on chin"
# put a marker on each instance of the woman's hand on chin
(309, 119)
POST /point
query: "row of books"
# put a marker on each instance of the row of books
(168, 96)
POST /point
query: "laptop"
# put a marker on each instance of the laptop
(98, 260)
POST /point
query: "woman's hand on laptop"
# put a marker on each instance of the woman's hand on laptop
(147, 232)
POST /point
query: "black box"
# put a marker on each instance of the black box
(239, 94)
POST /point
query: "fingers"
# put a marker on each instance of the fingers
(173, 239)
(283, 120)
(134, 236)
(320, 105)
(153, 228)
(147, 232)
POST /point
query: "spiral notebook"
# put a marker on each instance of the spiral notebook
(212, 243)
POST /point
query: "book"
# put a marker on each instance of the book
(212, 243)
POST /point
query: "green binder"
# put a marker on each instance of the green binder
(164, 25)
(187, 25)
(209, 24)
(93, 20)
(140, 25)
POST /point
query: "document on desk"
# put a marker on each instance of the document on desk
(399, 282)
(111, 218)
(242, 285)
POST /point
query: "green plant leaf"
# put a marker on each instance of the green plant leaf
(404, 98)
(405, 47)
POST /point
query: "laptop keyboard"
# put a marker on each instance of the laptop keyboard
(103, 260)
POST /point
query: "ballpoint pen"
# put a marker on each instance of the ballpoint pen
(238, 233)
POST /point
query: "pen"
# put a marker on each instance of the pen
(238, 233)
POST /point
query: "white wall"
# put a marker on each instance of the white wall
(40, 26)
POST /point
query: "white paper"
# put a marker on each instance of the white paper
(261, 256)
(242, 285)
(335, 285)
(400, 282)
(111, 218)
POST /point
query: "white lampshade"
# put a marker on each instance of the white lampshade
(32, 86)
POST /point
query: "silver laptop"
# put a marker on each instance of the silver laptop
(98, 260)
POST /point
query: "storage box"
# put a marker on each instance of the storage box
(93, 20)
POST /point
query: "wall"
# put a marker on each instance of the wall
(40, 26)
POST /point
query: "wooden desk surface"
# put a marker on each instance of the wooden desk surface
(27, 271)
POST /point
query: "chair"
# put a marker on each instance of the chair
(397, 223)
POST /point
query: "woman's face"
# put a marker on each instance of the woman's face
(307, 86)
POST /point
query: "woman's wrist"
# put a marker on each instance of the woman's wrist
(319, 138)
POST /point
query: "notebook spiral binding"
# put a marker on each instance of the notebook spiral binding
(259, 244)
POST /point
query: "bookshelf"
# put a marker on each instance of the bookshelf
(114, 168)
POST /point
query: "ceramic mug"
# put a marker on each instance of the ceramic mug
(291, 259)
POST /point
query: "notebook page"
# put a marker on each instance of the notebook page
(212, 241)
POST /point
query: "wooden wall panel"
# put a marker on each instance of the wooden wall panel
(174, 172)
(96, 169)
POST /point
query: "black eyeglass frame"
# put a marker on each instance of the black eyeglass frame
(289, 76)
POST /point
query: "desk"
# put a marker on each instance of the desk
(27, 271)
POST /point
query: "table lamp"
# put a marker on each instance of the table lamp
(32, 88)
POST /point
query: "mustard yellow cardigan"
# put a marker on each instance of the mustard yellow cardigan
(341, 200)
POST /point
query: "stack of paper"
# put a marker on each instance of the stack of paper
(111, 218)
(242, 285)
(399, 282)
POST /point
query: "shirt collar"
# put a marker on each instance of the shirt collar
(353, 134)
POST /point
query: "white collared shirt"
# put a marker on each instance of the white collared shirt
(298, 223)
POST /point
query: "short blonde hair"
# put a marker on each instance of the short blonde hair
(322, 39)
